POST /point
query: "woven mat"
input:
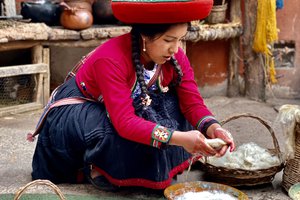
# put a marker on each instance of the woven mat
(55, 197)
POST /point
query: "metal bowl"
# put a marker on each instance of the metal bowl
(294, 191)
(176, 190)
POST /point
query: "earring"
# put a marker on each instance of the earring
(144, 45)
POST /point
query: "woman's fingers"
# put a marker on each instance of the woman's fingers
(226, 136)
(203, 147)
(216, 143)
(222, 151)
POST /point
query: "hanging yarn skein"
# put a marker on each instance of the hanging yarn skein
(266, 33)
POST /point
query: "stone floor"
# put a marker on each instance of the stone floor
(16, 153)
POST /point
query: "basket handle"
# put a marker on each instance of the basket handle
(264, 122)
(40, 182)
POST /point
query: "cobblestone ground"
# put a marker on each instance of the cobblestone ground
(16, 153)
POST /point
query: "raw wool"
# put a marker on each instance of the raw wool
(288, 116)
(207, 195)
(248, 156)
(216, 143)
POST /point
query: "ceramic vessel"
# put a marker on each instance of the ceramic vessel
(76, 17)
(294, 191)
(174, 191)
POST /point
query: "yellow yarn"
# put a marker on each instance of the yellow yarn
(266, 33)
(272, 71)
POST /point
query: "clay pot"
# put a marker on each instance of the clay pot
(87, 5)
(103, 13)
(87, 1)
(76, 18)
(47, 12)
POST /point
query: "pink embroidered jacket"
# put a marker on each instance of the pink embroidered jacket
(108, 74)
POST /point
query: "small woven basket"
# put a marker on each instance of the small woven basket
(217, 14)
(242, 177)
(291, 172)
(39, 182)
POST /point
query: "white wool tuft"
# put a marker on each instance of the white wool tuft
(248, 156)
(288, 116)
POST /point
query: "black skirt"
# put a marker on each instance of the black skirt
(75, 136)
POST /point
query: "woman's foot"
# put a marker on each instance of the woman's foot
(99, 181)
(94, 173)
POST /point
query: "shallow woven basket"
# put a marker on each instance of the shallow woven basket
(291, 172)
(40, 182)
(242, 177)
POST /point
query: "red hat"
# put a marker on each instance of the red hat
(160, 11)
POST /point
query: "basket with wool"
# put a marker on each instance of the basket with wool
(48, 183)
(289, 117)
(240, 176)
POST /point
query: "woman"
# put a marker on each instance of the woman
(132, 115)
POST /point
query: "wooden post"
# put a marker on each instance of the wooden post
(37, 57)
(233, 88)
(254, 68)
(46, 60)
(9, 8)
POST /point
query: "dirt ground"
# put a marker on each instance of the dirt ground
(16, 153)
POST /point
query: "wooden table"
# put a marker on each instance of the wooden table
(38, 37)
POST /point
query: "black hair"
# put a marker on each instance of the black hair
(152, 31)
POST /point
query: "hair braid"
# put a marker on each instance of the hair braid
(137, 63)
(178, 70)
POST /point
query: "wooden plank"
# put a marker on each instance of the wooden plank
(7, 46)
(75, 44)
(16, 70)
(10, 110)
(46, 60)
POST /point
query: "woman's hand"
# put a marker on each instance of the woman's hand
(193, 142)
(216, 131)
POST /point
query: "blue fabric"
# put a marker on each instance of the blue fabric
(279, 4)
(74, 136)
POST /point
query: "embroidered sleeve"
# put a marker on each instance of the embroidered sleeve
(160, 135)
(205, 122)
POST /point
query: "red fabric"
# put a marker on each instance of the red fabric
(109, 72)
(161, 12)
(148, 183)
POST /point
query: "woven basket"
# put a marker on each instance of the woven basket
(39, 182)
(242, 177)
(291, 172)
(217, 14)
